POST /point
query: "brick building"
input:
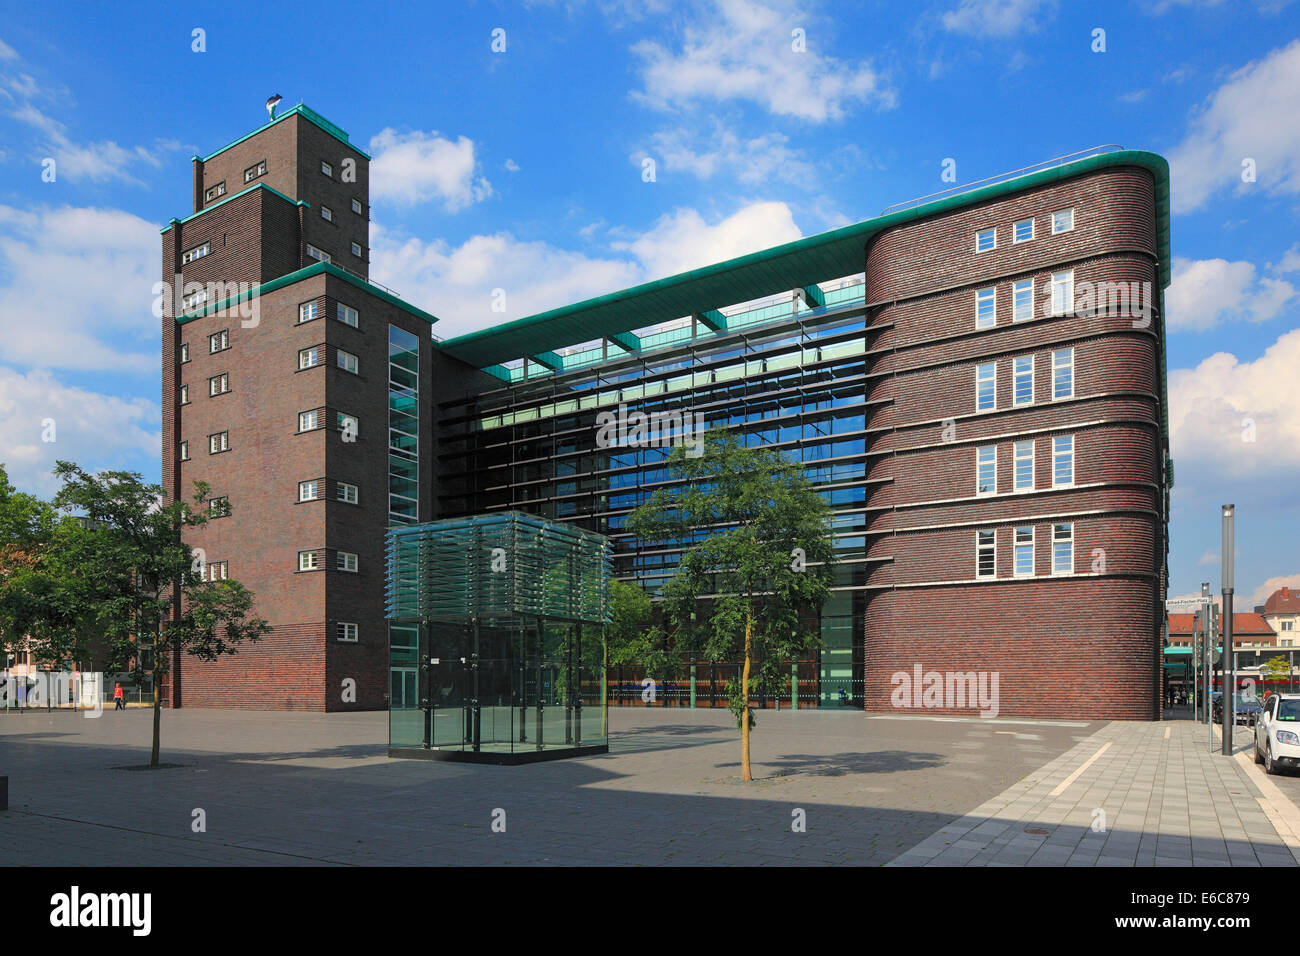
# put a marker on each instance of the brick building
(1282, 611)
(976, 383)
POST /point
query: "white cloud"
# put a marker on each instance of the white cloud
(997, 18)
(1205, 292)
(1246, 118)
(77, 288)
(90, 428)
(682, 240)
(97, 162)
(412, 168)
(1263, 592)
(1231, 419)
(7, 52)
(511, 165)
(756, 161)
(742, 51)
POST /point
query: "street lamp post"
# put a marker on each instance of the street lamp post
(1229, 674)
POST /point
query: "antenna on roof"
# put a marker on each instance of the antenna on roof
(272, 103)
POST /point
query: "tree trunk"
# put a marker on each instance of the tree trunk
(157, 714)
(745, 773)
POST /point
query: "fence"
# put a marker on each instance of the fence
(59, 690)
(703, 684)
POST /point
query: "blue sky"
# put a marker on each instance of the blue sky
(522, 170)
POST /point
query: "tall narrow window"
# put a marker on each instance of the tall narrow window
(185, 394)
(985, 309)
(985, 387)
(326, 169)
(1063, 460)
(1024, 465)
(327, 213)
(1063, 549)
(1063, 293)
(986, 470)
(985, 554)
(1022, 389)
(1023, 566)
(1022, 294)
(403, 426)
(1063, 373)
(184, 452)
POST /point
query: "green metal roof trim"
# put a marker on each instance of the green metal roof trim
(242, 192)
(307, 113)
(315, 269)
(803, 262)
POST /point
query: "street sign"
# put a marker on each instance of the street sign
(1186, 605)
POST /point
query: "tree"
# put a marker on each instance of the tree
(755, 584)
(124, 571)
(626, 638)
(1276, 668)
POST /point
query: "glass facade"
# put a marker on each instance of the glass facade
(403, 427)
(788, 377)
(495, 638)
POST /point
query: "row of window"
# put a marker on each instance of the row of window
(1022, 380)
(343, 561)
(313, 490)
(220, 341)
(312, 356)
(217, 385)
(1022, 470)
(1023, 231)
(1022, 300)
(343, 630)
(1023, 551)
(219, 442)
(320, 255)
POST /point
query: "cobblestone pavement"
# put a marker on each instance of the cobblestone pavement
(314, 789)
(1132, 794)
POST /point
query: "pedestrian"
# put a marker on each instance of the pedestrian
(119, 699)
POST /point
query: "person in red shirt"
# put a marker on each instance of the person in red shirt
(119, 700)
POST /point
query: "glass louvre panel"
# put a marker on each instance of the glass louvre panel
(403, 426)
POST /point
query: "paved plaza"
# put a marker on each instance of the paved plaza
(318, 790)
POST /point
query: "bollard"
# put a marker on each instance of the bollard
(4, 793)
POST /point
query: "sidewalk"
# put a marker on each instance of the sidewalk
(1132, 794)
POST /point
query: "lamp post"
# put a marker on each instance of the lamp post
(1229, 675)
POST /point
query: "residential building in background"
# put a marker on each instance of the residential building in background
(1282, 611)
(976, 384)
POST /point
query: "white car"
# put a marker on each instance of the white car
(1277, 733)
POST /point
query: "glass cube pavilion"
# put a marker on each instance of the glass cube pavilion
(495, 626)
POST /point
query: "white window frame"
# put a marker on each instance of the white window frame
(982, 463)
(1058, 455)
(219, 384)
(1019, 456)
(1018, 546)
(326, 169)
(185, 395)
(222, 511)
(1015, 231)
(195, 299)
(1058, 366)
(1020, 292)
(357, 250)
(1056, 541)
(992, 379)
(311, 418)
(356, 206)
(1058, 212)
(198, 252)
(1017, 374)
(309, 560)
(309, 490)
(1062, 288)
(320, 255)
(979, 240)
(308, 357)
(347, 361)
(327, 213)
(986, 298)
(222, 337)
(218, 570)
(184, 451)
(218, 442)
(345, 561)
(308, 311)
(185, 352)
(347, 315)
(346, 631)
(346, 492)
(992, 547)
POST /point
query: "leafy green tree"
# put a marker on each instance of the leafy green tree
(124, 574)
(627, 638)
(1276, 668)
(754, 586)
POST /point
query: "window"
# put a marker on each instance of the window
(185, 394)
(215, 192)
(308, 561)
(985, 309)
(327, 213)
(347, 632)
(326, 169)
(1022, 231)
(347, 315)
(219, 507)
(1022, 297)
(346, 361)
(185, 352)
(356, 249)
(218, 570)
(219, 384)
(1288, 625)
(184, 451)
(985, 240)
(1063, 460)
(308, 421)
(985, 554)
(356, 206)
(1062, 293)
(345, 492)
(1024, 466)
(218, 443)
(1023, 564)
(986, 470)
(198, 252)
(195, 299)
(985, 379)
(309, 357)
(1063, 373)
(1062, 221)
(308, 311)
(1063, 549)
(308, 490)
(218, 341)
(346, 561)
(1022, 380)
(252, 172)
(317, 254)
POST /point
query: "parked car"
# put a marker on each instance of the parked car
(1277, 733)
(1247, 709)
